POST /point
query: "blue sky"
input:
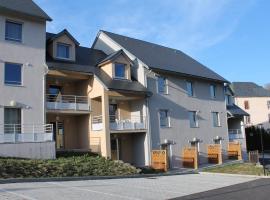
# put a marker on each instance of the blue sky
(232, 37)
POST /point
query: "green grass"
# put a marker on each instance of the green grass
(64, 167)
(239, 168)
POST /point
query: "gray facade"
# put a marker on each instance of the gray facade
(178, 103)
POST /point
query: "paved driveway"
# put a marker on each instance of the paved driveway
(131, 188)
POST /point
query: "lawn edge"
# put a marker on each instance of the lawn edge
(60, 179)
(238, 175)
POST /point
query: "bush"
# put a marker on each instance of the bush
(64, 167)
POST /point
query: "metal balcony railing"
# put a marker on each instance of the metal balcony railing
(235, 134)
(120, 123)
(19, 133)
(67, 102)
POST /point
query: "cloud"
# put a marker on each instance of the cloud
(188, 25)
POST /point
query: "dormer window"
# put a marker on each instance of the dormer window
(63, 51)
(120, 71)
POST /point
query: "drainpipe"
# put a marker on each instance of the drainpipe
(148, 131)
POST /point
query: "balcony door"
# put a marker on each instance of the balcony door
(54, 93)
(12, 120)
(113, 112)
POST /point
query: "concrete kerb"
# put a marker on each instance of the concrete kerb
(60, 179)
(234, 175)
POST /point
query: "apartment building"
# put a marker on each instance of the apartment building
(121, 98)
(22, 73)
(187, 106)
(255, 100)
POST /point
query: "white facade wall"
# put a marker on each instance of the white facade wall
(31, 54)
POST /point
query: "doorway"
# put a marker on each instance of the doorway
(58, 134)
(115, 148)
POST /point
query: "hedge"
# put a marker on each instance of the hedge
(64, 167)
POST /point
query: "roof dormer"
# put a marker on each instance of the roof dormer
(62, 46)
(117, 65)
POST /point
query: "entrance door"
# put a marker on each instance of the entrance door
(58, 134)
(115, 149)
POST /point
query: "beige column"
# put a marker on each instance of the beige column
(106, 139)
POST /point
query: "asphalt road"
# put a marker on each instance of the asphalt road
(164, 187)
(253, 190)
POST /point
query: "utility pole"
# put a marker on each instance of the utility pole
(262, 147)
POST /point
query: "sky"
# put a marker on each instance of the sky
(231, 37)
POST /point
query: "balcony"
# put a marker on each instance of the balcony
(20, 133)
(235, 134)
(67, 102)
(133, 123)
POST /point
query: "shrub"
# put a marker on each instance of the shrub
(64, 167)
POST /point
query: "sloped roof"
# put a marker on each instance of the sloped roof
(113, 56)
(235, 111)
(51, 36)
(86, 61)
(249, 89)
(24, 7)
(164, 58)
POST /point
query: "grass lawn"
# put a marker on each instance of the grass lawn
(85, 165)
(239, 168)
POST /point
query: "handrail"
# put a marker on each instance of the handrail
(67, 98)
(13, 133)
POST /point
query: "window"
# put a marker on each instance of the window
(228, 99)
(213, 91)
(248, 120)
(269, 118)
(120, 70)
(12, 120)
(189, 88)
(216, 119)
(62, 50)
(13, 31)
(162, 85)
(164, 118)
(193, 119)
(268, 105)
(13, 74)
(246, 105)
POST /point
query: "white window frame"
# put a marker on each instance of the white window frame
(13, 39)
(192, 88)
(214, 91)
(22, 72)
(168, 118)
(218, 119)
(166, 88)
(196, 119)
(69, 51)
(114, 70)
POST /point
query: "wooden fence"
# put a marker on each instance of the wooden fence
(234, 151)
(159, 160)
(214, 153)
(253, 156)
(190, 157)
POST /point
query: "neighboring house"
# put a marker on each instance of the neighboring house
(22, 72)
(255, 100)
(188, 104)
(236, 117)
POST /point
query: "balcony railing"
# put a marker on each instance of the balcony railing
(235, 134)
(19, 133)
(120, 124)
(67, 102)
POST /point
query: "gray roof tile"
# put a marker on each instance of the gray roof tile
(249, 89)
(164, 58)
(24, 7)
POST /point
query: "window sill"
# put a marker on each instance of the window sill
(11, 85)
(121, 79)
(14, 42)
(194, 127)
(165, 127)
(65, 59)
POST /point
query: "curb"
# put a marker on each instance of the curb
(235, 175)
(59, 179)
